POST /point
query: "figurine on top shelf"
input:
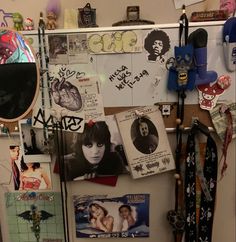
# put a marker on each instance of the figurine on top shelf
(18, 21)
(28, 24)
(53, 11)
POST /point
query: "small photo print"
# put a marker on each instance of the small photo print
(103, 216)
(15, 160)
(34, 146)
(35, 176)
(97, 152)
(58, 49)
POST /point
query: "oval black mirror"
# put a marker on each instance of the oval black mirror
(19, 76)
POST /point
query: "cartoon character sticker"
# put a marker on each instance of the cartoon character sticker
(209, 93)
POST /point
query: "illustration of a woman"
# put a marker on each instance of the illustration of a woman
(157, 43)
(99, 218)
(127, 218)
(14, 156)
(32, 175)
(92, 154)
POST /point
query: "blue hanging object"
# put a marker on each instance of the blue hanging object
(229, 43)
(182, 74)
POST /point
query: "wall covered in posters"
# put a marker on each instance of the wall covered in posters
(126, 79)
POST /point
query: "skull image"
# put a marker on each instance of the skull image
(176, 219)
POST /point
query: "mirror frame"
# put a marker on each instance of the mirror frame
(30, 107)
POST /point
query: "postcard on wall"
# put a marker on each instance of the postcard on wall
(58, 49)
(35, 216)
(77, 51)
(145, 141)
(103, 216)
(33, 142)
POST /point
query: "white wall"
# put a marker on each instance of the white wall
(110, 11)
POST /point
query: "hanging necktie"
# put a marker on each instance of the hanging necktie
(199, 230)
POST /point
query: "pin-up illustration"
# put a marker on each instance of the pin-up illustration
(209, 93)
(157, 43)
(36, 217)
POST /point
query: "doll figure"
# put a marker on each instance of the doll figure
(53, 11)
(18, 21)
(28, 24)
(51, 20)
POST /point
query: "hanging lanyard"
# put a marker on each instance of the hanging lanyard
(200, 229)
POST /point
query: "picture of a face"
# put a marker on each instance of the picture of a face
(97, 212)
(157, 47)
(14, 153)
(124, 212)
(143, 128)
(93, 152)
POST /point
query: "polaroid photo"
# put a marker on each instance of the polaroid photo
(145, 141)
(33, 143)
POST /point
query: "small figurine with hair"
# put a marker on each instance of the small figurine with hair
(28, 24)
(53, 11)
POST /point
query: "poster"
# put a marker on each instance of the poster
(145, 141)
(103, 216)
(34, 217)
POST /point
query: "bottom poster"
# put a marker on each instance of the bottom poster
(34, 217)
(102, 216)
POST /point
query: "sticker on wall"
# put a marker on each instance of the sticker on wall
(157, 44)
(119, 217)
(34, 217)
(129, 41)
(210, 93)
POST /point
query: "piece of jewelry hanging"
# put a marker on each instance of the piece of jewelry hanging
(199, 228)
(181, 78)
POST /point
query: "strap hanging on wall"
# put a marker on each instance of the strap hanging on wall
(199, 228)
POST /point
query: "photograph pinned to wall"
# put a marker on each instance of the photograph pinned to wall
(103, 216)
(58, 51)
(78, 50)
(33, 142)
(128, 41)
(157, 44)
(29, 216)
(145, 141)
(15, 162)
(35, 176)
(92, 153)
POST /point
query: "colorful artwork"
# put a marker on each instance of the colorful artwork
(34, 217)
(101, 216)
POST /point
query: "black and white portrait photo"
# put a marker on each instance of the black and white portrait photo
(157, 44)
(144, 135)
(92, 153)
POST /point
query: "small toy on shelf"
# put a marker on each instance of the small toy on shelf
(18, 21)
(28, 24)
(53, 10)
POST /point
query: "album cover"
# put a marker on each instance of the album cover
(34, 216)
(145, 141)
(103, 216)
